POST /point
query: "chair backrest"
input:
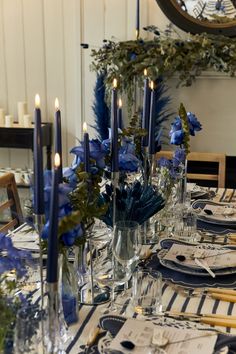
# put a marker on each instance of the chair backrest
(11, 203)
(220, 159)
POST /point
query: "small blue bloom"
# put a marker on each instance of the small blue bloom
(133, 56)
(179, 157)
(128, 162)
(194, 124)
(97, 152)
(177, 133)
(177, 138)
(176, 125)
(163, 162)
(127, 159)
(14, 258)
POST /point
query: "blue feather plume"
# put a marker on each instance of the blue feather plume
(100, 109)
(162, 112)
(133, 202)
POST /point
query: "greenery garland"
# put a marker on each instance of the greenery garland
(164, 56)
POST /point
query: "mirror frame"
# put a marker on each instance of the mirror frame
(190, 24)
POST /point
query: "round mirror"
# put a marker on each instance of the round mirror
(197, 16)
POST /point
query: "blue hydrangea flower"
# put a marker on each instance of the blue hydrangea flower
(97, 152)
(127, 160)
(64, 208)
(64, 190)
(163, 162)
(176, 131)
(177, 137)
(194, 124)
(178, 157)
(14, 258)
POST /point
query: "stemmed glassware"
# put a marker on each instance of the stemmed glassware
(126, 243)
(126, 247)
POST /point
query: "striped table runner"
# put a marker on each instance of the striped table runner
(171, 299)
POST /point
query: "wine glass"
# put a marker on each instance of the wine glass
(126, 243)
(126, 246)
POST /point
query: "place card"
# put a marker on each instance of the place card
(145, 335)
(215, 258)
(220, 212)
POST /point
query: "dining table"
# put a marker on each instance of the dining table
(185, 299)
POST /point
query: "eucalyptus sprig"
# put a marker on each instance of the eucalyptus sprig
(164, 56)
(185, 127)
(86, 197)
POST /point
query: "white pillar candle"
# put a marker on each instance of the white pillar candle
(9, 121)
(2, 117)
(21, 109)
(27, 120)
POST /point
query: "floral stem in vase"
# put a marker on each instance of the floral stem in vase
(89, 293)
(53, 342)
(152, 159)
(39, 227)
(91, 267)
(115, 182)
(183, 184)
(145, 165)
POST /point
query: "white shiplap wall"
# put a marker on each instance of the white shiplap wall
(40, 52)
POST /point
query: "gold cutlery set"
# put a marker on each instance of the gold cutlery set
(222, 294)
(210, 319)
(217, 239)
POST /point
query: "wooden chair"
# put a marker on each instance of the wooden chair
(220, 159)
(11, 204)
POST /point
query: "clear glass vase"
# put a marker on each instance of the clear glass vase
(88, 289)
(182, 184)
(69, 290)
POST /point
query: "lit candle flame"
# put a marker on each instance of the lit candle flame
(120, 103)
(56, 104)
(57, 160)
(115, 83)
(37, 101)
(85, 127)
(152, 85)
(145, 72)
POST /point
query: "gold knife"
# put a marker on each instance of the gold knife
(221, 291)
(222, 321)
(195, 315)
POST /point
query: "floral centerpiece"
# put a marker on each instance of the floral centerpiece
(185, 125)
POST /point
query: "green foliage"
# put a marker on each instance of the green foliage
(164, 56)
(185, 127)
(8, 308)
(86, 199)
(135, 131)
(69, 222)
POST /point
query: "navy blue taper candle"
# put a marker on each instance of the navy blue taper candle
(152, 124)
(119, 114)
(58, 142)
(52, 256)
(146, 109)
(137, 18)
(38, 161)
(114, 129)
(86, 148)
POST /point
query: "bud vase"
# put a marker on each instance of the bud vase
(182, 187)
(89, 291)
(69, 291)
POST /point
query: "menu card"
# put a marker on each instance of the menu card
(216, 258)
(145, 335)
